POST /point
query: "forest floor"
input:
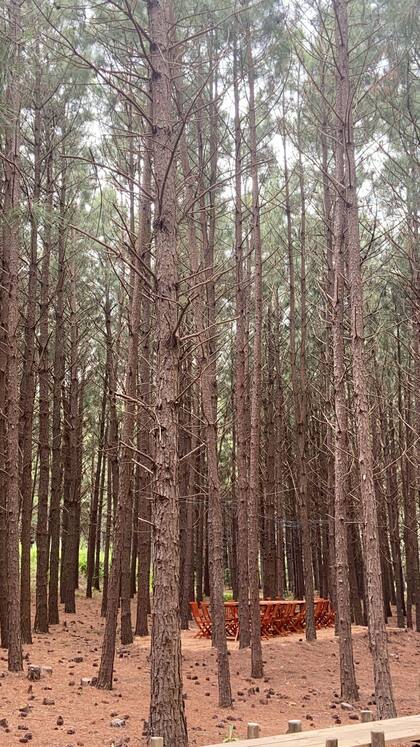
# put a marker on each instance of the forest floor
(301, 681)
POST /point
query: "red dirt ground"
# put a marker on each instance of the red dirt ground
(301, 681)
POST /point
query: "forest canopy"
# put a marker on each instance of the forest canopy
(209, 323)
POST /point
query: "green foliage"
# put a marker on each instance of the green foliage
(82, 561)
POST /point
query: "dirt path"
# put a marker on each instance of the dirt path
(300, 681)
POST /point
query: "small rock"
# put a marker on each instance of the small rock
(3, 723)
(118, 723)
(60, 721)
(78, 659)
(48, 701)
(347, 707)
(354, 716)
(86, 681)
(46, 670)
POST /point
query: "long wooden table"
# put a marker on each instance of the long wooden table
(403, 729)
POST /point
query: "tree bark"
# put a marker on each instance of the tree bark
(254, 449)
(377, 632)
(11, 241)
(41, 599)
(301, 408)
(27, 390)
(70, 519)
(167, 714)
(93, 519)
(349, 689)
(240, 383)
(58, 378)
(144, 439)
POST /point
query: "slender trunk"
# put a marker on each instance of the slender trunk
(167, 714)
(187, 443)
(376, 625)
(27, 391)
(393, 519)
(11, 241)
(240, 382)
(108, 524)
(329, 293)
(70, 519)
(93, 519)
(79, 475)
(4, 283)
(41, 599)
(349, 689)
(269, 535)
(254, 447)
(58, 378)
(302, 413)
(126, 632)
(134, 536)
(96, 581)
(144, 426)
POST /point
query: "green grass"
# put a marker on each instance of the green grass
(82, 561)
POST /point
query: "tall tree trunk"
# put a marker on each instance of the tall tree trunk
(301, 399)
(126, 632)
(376, 625)
(93, 518)
(349, 690)
(41, 599)
(269, 533)
(240, 383)
(79, 474)
(108, 525)
(4, 283)
(254, 448)
(11, 241)
(393, 518)
(96, 581)
(70, 520)
(58, 378)
(167, 715)
(329, 293)
(27, 390)
(144, 440)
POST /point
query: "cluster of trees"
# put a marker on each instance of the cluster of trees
(209, 322)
